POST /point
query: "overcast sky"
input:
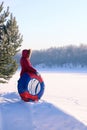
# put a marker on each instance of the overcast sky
(50, 23)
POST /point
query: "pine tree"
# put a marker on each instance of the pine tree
(10, 41)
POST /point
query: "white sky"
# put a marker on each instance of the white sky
(50, 23)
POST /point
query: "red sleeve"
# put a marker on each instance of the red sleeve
(29, 67)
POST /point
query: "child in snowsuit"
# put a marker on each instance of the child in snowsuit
(26, 67)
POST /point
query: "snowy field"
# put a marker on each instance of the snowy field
(62, 107)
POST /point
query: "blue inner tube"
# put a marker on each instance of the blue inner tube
(33, 85)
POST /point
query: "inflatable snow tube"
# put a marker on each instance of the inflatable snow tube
(30, 87)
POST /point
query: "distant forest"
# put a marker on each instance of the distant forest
(66, 56)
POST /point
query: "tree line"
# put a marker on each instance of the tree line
(59, 56)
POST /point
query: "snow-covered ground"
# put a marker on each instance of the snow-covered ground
(62, 107)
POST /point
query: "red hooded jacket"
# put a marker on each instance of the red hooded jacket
(26, 66)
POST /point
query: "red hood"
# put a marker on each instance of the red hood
(25, 53)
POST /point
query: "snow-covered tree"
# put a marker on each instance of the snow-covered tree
(10, 41)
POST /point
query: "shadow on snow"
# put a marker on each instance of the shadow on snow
(16, 114)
